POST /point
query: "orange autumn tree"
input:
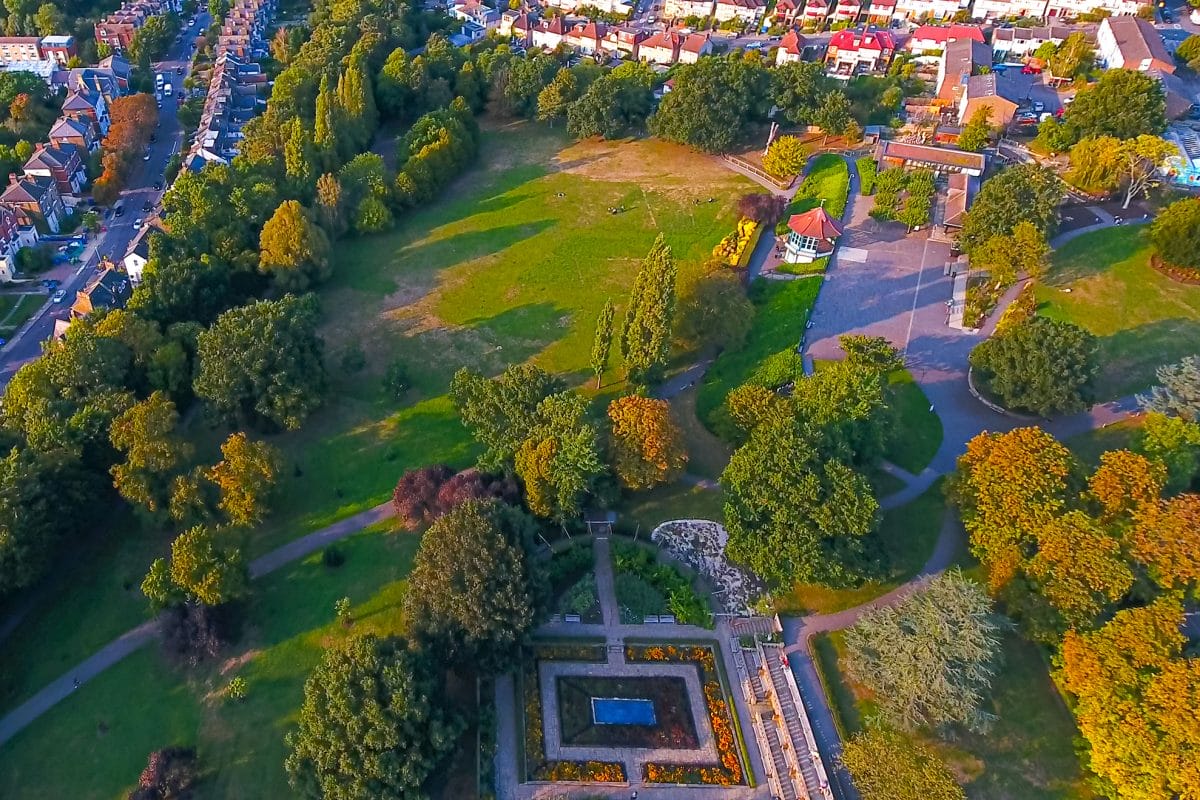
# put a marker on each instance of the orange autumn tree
(1166, 539)
(645, 443)
(1125, 481)
(1137, 700)
(1009, 487)
(132, 120)
(1079, 567)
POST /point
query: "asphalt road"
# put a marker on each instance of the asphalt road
(119, 231)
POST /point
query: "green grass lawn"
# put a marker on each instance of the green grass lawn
(645, 511)
(782, 310)
(111, 724)
(918, 432)
(1123, 435)
(15, 310)
(906, 538)
(1103, 282)
(708, 454)
(1027, 755)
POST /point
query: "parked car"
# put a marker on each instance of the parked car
(1031, 69)
(1038, 107)
(59, 296)
(147, 207)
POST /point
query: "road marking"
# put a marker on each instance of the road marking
(855, 255)
(916, 294)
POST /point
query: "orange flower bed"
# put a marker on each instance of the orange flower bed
(537, 766)
(729, 771)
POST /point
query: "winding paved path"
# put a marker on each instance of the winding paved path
(133, 640)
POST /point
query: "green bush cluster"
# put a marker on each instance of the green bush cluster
(581, 598)
(867, 172)
(567, 565)
(904, 196)
(664, 580)
(828, 180)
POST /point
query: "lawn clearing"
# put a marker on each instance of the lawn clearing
(1027, 755)
(513, 264)
(906, 538)
(708, 455)
(918, 432)
(290, 619)
(1103, 282)
(782, 311)
(1123, 435)
(644, 511)
(15, 311)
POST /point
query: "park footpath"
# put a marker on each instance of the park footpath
(133, 640)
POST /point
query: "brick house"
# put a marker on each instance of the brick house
(38, 196)
(851, 52)
(64, 164)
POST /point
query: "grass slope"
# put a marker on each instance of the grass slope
(1027, 755)
(1103, 282)
(110, 724)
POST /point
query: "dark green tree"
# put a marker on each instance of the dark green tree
(1040, 365)
(930, 660)
(44, 499)
(477, 590)
(501, 412)
(261, 363)
(832, 116)
(792, 513)
(293, 249)
(798, 88)
(1026, 192)
(615, 105)
(559, 461)
(1175, 234)
(373, 724)
(714, 103)
(646, 335)
(602, 342)
(1124, 103)
(554, 99)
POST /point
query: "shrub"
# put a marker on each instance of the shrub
(353, 359)
(333, 557)
(643, 586)
(237, 688)
(395, 380)
(415, 495)
(580, 598)
(1039, 365)
(192, 632)
(866, 174)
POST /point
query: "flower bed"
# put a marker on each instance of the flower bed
(729, 770)
(736, 247)
(537, 766)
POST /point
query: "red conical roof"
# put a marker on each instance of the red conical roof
(815, 223)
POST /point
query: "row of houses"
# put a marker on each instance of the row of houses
(813, 13)
(41, 55)
(51, 182)
(588, 37)
(234, 84)
(118, 28)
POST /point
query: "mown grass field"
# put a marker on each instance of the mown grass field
(1103, 282)
(512, 264)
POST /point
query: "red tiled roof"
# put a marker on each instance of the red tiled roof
(695, 42)
(792, 42)
(815, 223)
(662, 39)
(942, 33)
(860, 40)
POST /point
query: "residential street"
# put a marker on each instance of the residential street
(27, 344)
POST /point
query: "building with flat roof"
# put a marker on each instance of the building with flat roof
(891, 153)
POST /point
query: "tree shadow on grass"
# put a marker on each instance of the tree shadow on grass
(1094, 253)
(1128, 358)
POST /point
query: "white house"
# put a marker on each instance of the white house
(1132, 43)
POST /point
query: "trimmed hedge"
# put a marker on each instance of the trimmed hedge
(867, 171)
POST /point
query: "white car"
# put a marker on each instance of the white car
(59, 296)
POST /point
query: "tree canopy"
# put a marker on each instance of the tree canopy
(1026, 192)
(887, 765)
(645, 443)
(293, 249)
(645, 338)
(501, 412)
(1039, 365)
(713, 103)
(1178, 391)
(476, 589)
(261, 363)
(930, 659)
(373, 725)
(1124, 103)
(1175, 233)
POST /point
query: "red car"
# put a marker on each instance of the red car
(1030, 69)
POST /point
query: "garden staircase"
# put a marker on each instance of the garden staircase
(791, 710)
(779, 769)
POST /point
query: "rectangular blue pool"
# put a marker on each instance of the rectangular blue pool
(622, 711)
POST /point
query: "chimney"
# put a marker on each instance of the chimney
(12, 178)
